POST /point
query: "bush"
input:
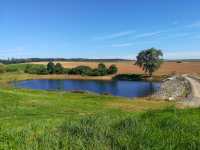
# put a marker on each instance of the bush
(11, 69)
(42, 70)
(51, 67)
(112, 69)
(66, 70)
(81, 70)
(95, 72)
(102, 69)
(36, 69)
(16, 67)
(2, 68)
(59, 69)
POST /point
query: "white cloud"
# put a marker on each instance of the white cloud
(194, 25)
(115, 35)
(131, 44)
(180, 34)
(122, 45)
(175, 23)
(12, 50)
(148, 34)
(17, 52)
(182, 55)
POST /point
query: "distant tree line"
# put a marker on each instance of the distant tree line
(27, 60)
(57, 68)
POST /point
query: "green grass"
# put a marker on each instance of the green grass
(16, 67)
(31, 119)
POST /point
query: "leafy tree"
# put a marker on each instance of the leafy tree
(112, 69)
(51, 67)
(59, 69)
(149, 60)
(95, 72)
(102, 69)
(82, 70)
(42, 70)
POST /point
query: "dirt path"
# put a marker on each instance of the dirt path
(195, 85)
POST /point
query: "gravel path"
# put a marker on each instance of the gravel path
(195, 85)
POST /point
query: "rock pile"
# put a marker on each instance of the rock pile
(173, 88)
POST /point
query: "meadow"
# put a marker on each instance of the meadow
(34, 119)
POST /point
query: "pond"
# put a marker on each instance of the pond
(117, 88)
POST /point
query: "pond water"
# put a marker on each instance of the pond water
(116, 88)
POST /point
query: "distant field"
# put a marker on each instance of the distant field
(129, 67)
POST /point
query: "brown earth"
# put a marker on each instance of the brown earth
(167, 68)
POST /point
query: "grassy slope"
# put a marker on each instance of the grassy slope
(32, 119)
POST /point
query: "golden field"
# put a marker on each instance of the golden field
(167, 68)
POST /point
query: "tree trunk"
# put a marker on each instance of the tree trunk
(151, 76)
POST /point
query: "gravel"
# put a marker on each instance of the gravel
(174, 88)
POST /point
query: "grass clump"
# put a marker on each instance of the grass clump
(163, 129)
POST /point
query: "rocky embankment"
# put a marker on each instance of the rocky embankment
(174, 88)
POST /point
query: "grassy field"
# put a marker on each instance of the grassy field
(51, 120)
(34, 119)
(128, 67)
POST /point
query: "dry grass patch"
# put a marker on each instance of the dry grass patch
(138, 105)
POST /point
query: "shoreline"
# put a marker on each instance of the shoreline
(10, 77)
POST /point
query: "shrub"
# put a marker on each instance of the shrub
(66, 70)
(82, 70)
(11, 69)
(102, 69)
(16, 67)
(112, 69)
(95, 72)
(51, 67)
(42, 70)
(59, 68)
(36, 69)
(2, 68)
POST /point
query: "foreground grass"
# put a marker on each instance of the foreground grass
(48, 120)
(31, 119)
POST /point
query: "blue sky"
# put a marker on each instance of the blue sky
(99, 28)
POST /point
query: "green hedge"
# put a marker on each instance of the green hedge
(52, 68)
(36, 69)
(101, 70)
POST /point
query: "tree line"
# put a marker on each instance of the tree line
(52, 68)
(28, 60)
(149, 60)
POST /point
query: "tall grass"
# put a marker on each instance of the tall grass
(163, 129)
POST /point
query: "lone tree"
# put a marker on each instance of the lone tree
(150, 60)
